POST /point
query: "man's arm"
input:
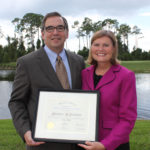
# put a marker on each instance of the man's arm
(18, 104)
(19, 99)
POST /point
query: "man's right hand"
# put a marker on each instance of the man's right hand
(30, 141)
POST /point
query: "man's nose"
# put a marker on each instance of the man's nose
(55, 31)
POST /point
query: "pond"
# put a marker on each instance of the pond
(5, 91)
(143, 96)
(4, 73)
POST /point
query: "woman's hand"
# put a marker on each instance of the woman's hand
(92, 146)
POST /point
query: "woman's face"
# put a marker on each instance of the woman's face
(102, 50)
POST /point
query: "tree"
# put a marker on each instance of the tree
(21, 48)
(30, 24)
(136, 54)
(84, 52)
(1, 34)
(76, 25)
(97, 26)
(12, 48)
(145, 56)
(17, 23)
(87, 28)
(1, 53)
(136, 31)
(110, 24)
(38, 43)
(120, 46)
(124, 31)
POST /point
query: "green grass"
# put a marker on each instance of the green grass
(140, 136)
(10, 140)
(137, 66)
(10, 65)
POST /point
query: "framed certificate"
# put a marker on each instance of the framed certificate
(69, 116)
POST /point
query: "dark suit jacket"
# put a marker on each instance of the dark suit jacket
(35, 71)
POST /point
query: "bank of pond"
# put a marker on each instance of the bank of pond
(142, 86)
(135, 66)
(7, 77)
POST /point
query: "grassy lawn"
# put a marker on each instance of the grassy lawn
(9, 139)
(140, 136)
(10, 65)
(137, 66)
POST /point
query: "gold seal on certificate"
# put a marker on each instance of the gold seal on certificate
(68, 116)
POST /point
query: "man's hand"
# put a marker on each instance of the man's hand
(30, 141)
(92, 146)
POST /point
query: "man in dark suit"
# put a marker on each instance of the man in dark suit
(37, 70)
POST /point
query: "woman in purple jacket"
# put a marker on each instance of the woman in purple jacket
(116, 84)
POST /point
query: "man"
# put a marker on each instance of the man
(37, 70)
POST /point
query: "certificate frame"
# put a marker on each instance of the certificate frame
(68, 116)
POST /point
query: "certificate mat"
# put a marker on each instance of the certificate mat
(67, 116)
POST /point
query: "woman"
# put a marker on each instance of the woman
(116, 84)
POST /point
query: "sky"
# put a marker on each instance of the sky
(130, 12)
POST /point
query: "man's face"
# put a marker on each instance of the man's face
(55, 38)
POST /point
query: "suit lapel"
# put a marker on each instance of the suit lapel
(90, 78)
(72, 64)
(108, 77)
(46, 66)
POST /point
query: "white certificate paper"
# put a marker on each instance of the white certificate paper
(66, 116)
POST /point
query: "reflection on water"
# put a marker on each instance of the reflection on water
(5, 91)
(143, 95)
(3, 73)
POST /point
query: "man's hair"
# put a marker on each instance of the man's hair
(53, 14)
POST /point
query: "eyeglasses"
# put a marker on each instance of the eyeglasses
(59, 28)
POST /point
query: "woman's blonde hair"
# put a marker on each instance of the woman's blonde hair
(110, 35)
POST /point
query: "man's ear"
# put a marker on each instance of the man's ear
(42, 34)
(67, 35)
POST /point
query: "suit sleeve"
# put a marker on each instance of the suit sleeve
(19, 99)
(127, 114)
(82, 62)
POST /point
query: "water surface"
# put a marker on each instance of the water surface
(142, 86)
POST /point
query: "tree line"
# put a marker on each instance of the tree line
(27, 37)
(121, 31)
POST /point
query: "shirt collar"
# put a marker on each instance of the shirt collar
(52, 55)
